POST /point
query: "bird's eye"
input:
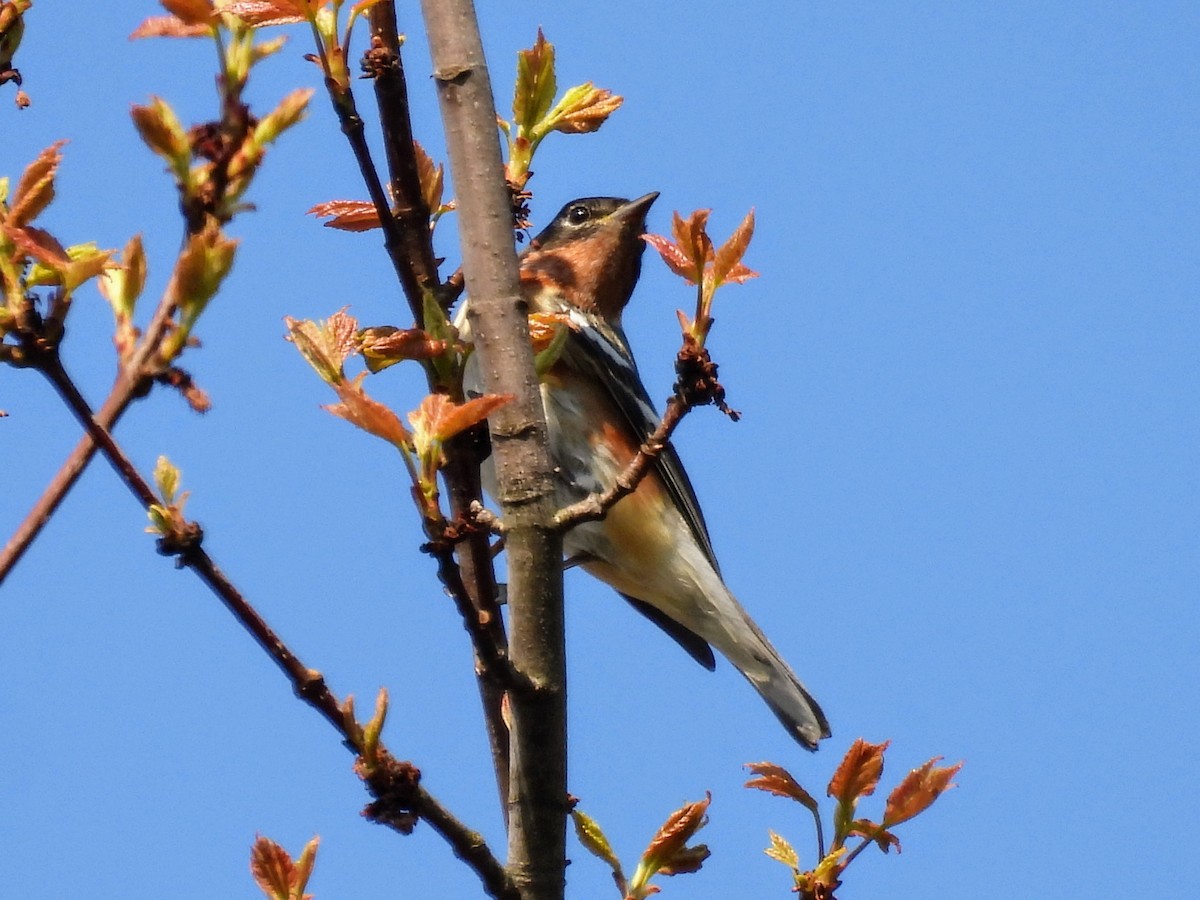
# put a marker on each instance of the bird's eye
(577, 215)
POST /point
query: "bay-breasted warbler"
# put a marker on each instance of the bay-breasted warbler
(653, 546)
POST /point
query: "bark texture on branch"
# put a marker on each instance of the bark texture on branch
(524, 471)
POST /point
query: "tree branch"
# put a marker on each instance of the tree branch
(134, 379)
(596, 506)
(472, 579)
(308, 684)
(538, 795)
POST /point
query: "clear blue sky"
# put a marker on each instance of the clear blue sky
(963, 499)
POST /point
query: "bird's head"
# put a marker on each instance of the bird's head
(591, 252)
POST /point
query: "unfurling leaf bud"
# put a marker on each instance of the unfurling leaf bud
(163, 133)
(35, 190)
(536, 84)
(291, 109)
(122, 285)
(582, 110)
(326, 345)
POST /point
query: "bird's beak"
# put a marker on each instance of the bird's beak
(635, 210)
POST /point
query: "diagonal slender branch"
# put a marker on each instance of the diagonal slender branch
(308, 684)
(134, 380)
(696, 384)
(596, 506)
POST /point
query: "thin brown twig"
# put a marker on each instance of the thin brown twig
(385, 65)
(596, 506)
(134, 380)
(470, 579)
(352, 127)
(308, 684)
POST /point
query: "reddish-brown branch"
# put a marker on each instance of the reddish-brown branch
(696, 385)
(133, 381)
(596, 506)
(470, 579)
(308, 684)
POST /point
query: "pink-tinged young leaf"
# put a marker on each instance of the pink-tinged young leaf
(191, 12)
(40, 245)
(370, 415)
(304, 866)
(779, 781)
(872, 831)
(739, 274)
(440, 418)
(264, 13)
(858, 773)
(691, 235)
(677, 261)
(431, 176)
(386, 345)
(727, 259)
(35, 190)
(168, 26)
(325, 345)
(272, 868)
(676, 831)
(918, 790)
(347, 215)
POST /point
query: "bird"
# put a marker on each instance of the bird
(653, 546)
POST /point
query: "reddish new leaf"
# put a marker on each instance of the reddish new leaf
(386, 342)
(779, 781)
(431, 176)
(40, 245)
(370, 415)
(168, 26)
(440, 418)
(677, 261)
(674, 834)
(585, 108)
(727, 262)
(858, 774)
(691, 234)
(877, 833)
(347, 215)
(918, 790)
(191, 12)
(261, 13)
(35, 190)
(272, 868)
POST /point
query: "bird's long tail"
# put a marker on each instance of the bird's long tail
(783, 692)
(741, 641)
